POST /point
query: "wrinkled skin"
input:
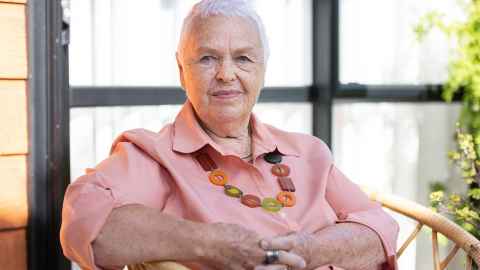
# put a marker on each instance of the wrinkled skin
(299, 243)
(234, 247)
(222, 70)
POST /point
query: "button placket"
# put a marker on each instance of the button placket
(259, 180)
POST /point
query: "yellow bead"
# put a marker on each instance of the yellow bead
(233, 191)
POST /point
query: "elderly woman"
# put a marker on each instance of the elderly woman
(218, 188)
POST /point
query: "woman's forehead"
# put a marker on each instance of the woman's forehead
(216, 32)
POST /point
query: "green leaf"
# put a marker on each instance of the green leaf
(468, 227)
(474, 193)
(437, 196)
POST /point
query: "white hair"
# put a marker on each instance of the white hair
(228, 8)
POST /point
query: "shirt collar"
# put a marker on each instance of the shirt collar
(189, 136)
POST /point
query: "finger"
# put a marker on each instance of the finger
(286, 242)
(291, 259)
(271, 267)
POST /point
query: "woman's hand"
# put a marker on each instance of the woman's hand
(298, 243)
(231, 246)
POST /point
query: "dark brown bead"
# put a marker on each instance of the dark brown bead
(251, 201)
(280, 170)
(286, 184)
(206, 162)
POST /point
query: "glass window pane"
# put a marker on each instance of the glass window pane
(293, 117)
(126, 42)
(399, 149)
(378, 44)
(92, 130)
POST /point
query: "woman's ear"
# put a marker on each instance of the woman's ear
(180, 70)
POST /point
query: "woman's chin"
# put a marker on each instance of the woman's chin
(229, 114)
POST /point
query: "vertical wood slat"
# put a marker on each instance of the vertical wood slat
(13, 253)
(13, 48)
(13, 117)
(436, 255)
(13, 192)
(469, 264)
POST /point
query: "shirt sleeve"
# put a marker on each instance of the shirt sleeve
(353, 205)
(128, 176)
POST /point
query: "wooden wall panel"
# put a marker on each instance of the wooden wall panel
(13, 45)
(13, 118)
(13, 135)
(13, 192)
(15, 1)
(13, 250)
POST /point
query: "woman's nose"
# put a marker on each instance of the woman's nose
(226, 71)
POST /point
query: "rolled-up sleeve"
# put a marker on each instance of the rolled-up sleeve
(353, 205)
(128, 176)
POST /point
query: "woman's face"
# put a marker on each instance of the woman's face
(222, 67)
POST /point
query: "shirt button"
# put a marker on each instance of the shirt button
(342, 216)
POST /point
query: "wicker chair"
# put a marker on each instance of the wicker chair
(438, 224)
(424, 216)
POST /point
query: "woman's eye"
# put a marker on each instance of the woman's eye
(207, 59)
(244, 59)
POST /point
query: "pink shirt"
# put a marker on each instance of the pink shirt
(158, 170)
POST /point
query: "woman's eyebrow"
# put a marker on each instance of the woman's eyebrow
(246, 49)
(203, 49)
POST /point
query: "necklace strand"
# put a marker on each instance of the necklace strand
(285, 198)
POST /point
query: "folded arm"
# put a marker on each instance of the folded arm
(363, 228)
(363, 237)
(349, 246)
(135, 234)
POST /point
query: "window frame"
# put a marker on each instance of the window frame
(48, 159)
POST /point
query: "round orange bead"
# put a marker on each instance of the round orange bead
(287, 199)
(218, 177)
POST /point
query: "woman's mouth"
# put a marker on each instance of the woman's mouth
(226, 94)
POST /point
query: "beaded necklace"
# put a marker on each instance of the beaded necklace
(285, 198)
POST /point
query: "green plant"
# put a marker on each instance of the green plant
(462, 208)
(464, 81)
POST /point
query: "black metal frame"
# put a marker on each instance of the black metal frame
(139, 96)
(49, 133)
(325, 63)
(50, 101)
